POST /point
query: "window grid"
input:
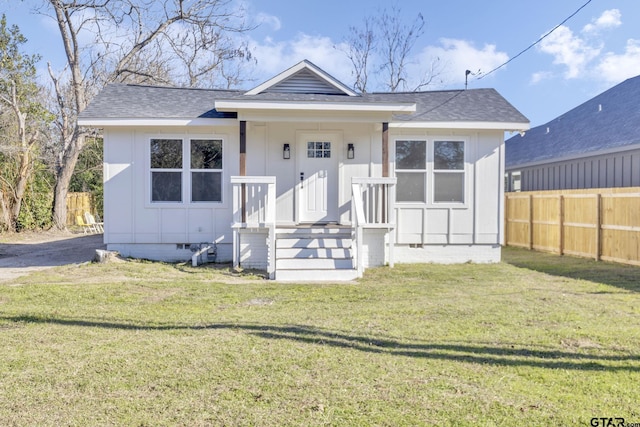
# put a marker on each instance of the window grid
(448, 171)
(166, 170)
(411, 171)
(318, 150)
(194, 165)
(206, 160)
(443, 169)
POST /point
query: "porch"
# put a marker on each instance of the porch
(313, 252)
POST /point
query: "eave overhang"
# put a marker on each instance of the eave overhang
(99, 123)
(254, 105)
(503, 126)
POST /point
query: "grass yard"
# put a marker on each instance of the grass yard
(538, 340)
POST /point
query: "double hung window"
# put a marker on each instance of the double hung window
(206, 170)
(166, 170)
(430, 171)
(196, 168)
(411, 171)
(448, 171)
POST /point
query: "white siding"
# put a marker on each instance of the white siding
(475, 221)
(438, 233)
(254, 251)
(130, 217)
(448, 254)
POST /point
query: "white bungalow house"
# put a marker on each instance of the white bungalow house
(303, 177)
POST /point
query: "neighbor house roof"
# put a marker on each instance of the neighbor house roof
(610, 121)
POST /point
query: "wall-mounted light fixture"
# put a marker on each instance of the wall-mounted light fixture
(286, 151)
(351, 151)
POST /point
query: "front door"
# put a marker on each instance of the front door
(318, 178)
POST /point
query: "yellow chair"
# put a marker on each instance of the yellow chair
(86, 228)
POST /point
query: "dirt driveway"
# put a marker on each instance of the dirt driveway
(26, 252)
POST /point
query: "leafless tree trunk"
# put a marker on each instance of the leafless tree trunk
(133, 43)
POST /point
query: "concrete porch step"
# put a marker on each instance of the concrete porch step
(316, 275)
(311, 243)
(314, 252)
(312, 232)
(313, 264)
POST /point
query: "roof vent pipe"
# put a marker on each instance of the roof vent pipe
(599, 107)
(547, 129)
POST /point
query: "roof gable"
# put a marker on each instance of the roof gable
(304, 77)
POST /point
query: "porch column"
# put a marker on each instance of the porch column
(385, 150)
(385, 164)
(243, 167)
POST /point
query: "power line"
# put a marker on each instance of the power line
(537, 41)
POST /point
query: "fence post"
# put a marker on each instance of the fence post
(530, 221)
(598, 226)
(561, 201)
(506, 219)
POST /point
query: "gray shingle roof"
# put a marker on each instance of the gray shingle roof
(608, 121)
(120, 101)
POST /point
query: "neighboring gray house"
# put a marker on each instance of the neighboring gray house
(595, 145)
(303, 177)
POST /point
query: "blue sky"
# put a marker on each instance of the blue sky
(593, 51)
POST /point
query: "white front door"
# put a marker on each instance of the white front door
(318, 178)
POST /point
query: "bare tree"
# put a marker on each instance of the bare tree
(396, 42)
(360, 45)
(132, 41)
(24, 117)
(383, 46)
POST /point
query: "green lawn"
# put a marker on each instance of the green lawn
(537, 340)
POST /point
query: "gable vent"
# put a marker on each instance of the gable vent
(304, 81)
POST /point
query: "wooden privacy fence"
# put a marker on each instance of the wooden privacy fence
(78, 204)
(596, 223)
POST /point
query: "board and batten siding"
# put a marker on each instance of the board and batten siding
(476, 222)
(425, 233)
(133, 224)
(617, 169)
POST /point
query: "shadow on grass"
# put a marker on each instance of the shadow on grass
(619, 275)
(507, 355)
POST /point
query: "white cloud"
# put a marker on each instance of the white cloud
(616, 68)
(270, 20)
(273, 58)
(456, 56)
(609, 19)
(569, 50)
(540, 76)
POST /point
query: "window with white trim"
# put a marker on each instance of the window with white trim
(206, 170)
(166, 170)
(411, 170)
(197, 168)
(448, 172)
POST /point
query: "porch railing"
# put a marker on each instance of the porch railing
(254, 207)
(373, 206)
